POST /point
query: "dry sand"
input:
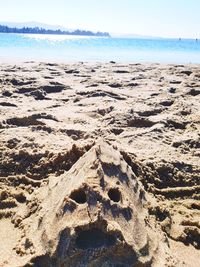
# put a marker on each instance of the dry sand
(100, 165)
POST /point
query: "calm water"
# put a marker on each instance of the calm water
(14, 47)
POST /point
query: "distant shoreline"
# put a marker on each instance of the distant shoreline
(37, 30)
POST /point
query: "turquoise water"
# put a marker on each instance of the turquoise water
(71, 48)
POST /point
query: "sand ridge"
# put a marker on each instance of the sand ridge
(99, 164)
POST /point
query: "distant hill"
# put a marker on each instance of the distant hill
(38, 28)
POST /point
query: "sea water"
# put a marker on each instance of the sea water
(66, 48)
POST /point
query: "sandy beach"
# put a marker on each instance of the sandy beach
(100, 165)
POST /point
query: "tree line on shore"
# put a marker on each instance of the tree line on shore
(37, 30)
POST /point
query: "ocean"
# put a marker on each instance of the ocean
(65, 48)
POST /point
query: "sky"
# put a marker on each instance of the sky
(164, 18)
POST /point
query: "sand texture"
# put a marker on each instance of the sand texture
(99, 165)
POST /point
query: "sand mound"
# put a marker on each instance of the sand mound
(82, 218)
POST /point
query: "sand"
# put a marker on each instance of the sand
(99, 165)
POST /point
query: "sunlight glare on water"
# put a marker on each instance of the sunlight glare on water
(56, 37)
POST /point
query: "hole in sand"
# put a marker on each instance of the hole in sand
(79, 196)
(21, 198)
(94, 238)
(114, 194)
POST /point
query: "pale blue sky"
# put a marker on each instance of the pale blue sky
(167, 18)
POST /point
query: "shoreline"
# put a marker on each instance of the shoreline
(7, 61)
